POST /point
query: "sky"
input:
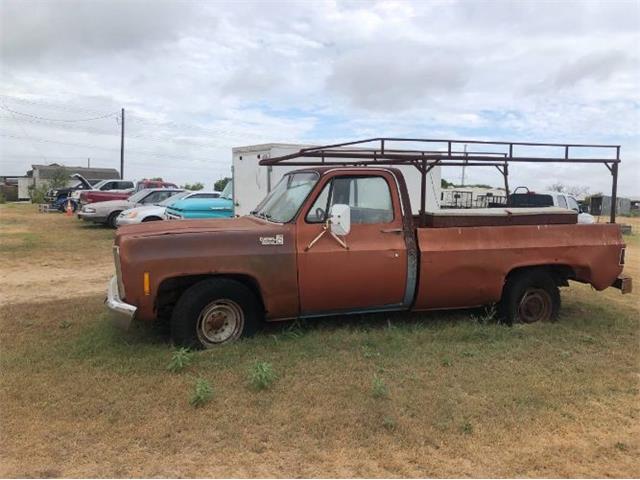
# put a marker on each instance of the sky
(198, 78)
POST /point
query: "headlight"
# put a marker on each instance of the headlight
(89, 210)
(132, 214)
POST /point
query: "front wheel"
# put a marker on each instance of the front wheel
(530, 296)
(213, 312)
(112, 219)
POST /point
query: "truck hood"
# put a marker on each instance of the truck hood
(175, 227)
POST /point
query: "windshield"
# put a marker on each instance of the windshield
(173, 198)
(227, 192)
(285, 199)
(96, 186)
(136, 197)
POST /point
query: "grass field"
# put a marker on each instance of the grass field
(440, 394)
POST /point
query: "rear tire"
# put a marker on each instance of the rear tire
(213, 312)
(530, 296)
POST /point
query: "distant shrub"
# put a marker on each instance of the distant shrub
(180, 359)
(261, 375)
(202, 393)
(3, 199)
(38, 194)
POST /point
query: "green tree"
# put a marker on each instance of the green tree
(445, 184)
(59, 178)
(195, 186)
(220, 184)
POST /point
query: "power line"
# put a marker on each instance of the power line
(14, 112)
(28, 137)
(84, 145)
(50, 105)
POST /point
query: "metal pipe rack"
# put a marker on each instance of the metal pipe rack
(447, 152)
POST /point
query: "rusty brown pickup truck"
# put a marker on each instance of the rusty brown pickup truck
(330, 241)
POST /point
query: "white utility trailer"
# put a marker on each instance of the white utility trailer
(251, 182)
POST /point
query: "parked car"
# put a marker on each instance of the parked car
(330, 240)
(107, 212)
(149, 213)
(523, 197)
(198, 207)
(104, 194)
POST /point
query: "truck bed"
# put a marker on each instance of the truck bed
(494, 217)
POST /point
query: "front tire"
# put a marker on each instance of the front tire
(112, 219)
(214, 312)
(530, 296)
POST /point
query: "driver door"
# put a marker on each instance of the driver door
(372, 273)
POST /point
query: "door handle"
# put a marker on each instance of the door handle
(392, 230)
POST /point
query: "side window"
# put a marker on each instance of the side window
(162, 196)
(318, 212)
(204, 195)
(562, 202)
(573, 205)
(107, 186)
(368, 197)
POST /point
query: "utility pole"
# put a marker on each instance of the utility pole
(122, 144)
(464, 164)
(89, 162)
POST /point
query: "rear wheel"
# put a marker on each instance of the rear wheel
(530, 296)
(213, 312)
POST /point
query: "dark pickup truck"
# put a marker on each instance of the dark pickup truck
(343, 240)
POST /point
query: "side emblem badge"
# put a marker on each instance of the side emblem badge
(275, 240)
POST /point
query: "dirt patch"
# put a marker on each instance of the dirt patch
(38, 283)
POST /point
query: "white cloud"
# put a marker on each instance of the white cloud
(197, 78)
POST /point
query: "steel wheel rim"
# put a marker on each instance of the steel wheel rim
(219, 322)
(535, 306)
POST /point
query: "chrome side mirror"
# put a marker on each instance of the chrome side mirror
(340, 219)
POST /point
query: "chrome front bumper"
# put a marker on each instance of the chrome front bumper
(121, 313)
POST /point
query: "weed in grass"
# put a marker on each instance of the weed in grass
(65, 324)
(466, 428)
(489, 315)
(468, 353)
(368, 352)
(262, 375)
(379, 388)
(621, 446)
(446, 362)
(180, 359)
(389, 423)
(202, 393)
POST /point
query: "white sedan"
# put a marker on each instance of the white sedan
(150, 213)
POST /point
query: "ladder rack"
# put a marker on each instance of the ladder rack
(425, 154)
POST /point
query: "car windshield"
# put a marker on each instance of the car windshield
(96, 186)
(136, 197)
(227, 191)
(173, 198)
(285, 199)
